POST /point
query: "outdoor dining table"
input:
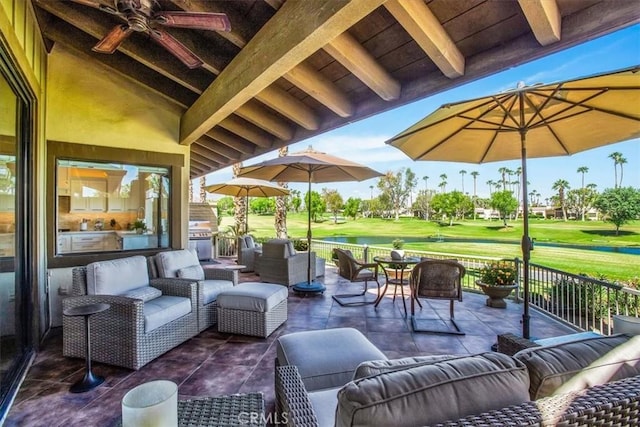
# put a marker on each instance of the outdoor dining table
(397, 273)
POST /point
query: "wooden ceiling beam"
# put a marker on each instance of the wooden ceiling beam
(195, 171)
(205, 144)
(96, 24)
(255, 113)
(204, 167)
(295, 32)
(231, 140)
(544, 19)
(210, 162)
(418, 20)
(290, 107)
(247, 131)
(320, 88)
(355, 58)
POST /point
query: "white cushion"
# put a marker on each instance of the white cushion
(170, 262)
(163, 310)
(145, 293)
(212, 288)
(115, 277)
(260, 297)
(324, 403)
(193, 272)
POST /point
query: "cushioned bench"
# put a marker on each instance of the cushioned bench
(252, 308)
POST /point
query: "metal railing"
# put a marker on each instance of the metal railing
(581, 302)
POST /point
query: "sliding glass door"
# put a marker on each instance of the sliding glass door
(15, 289)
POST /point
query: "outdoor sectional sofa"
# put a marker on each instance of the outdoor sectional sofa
(591, 381)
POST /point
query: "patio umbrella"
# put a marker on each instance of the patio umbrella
(542, 120)
(246, 187)
(312, 167)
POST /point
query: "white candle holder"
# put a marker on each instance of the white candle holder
(152, 404)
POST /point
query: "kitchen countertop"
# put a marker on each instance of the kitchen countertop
(121, 233)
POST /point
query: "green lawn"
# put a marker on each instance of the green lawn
(595, 263)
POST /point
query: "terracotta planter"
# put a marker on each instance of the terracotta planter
(496, 294)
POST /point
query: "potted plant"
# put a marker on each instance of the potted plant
(139, 226)
(497, 280)
(397, 252)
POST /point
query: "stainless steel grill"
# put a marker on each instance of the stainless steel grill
(200, 239)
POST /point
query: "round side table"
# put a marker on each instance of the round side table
(89, 381)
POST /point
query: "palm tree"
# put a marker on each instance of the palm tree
(443, 182)
(621, 162)
(561, 185)
(582, 170)
(425, 178)
(371, 188)
(280, 217)
(503, 173)
(490, 183)
(239, 205)
(203, 192)
(475, 174)
(463, 173)
(615, 156)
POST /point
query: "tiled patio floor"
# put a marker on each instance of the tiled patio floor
(213, 363)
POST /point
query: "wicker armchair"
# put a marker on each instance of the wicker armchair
(119, 335)
(437, 279)
(248, 251)
(280, 263)
(355, 271)
(184, 264)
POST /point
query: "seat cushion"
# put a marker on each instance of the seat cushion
(260, 297)
(576, 365)
(117, 276)
(145, 293)
(211, 289)
(170, 262)
(326, 358)
(193, 272)
(434, 392)
(324, 403)
(164, 309)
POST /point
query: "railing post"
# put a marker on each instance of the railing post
(518, 264)
(365, 252)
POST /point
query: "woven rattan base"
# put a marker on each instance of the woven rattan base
(256, 323)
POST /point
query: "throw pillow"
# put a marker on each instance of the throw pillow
(577, 365)
(145, 293)
(193, 272)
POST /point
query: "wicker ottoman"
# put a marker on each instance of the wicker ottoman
(252, 308)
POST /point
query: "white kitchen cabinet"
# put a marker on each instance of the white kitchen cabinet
(63, 182)
(7, 203)
(7, 245)
(87, 242)
(64, 244)
(88, 196)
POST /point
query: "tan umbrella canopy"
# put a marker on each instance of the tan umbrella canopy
(543, 120)
(312, 167)
(247, 187)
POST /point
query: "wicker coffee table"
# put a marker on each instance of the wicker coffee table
(231, 410)
(222, 411)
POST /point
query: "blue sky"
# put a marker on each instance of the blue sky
(363, 141)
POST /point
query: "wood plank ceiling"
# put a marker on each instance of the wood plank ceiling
(291, 70)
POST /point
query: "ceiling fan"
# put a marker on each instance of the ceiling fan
(145, 16)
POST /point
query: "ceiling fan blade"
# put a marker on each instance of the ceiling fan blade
(176, 48)
(194, 20)
(111, 41)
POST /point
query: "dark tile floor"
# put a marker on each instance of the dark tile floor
(213, 363)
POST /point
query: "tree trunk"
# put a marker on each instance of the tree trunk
(239, 207)
(281, 205)
(203, 192)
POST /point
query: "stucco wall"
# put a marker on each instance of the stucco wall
(89, 104)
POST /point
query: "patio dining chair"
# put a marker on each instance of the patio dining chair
(355, 271)
(437, 279)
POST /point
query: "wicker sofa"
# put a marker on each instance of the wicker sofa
(184, 264)
(436, 386)
(140, 324)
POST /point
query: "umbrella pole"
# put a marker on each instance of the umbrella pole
(526, 242)
(310, 286)
(246, 213)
